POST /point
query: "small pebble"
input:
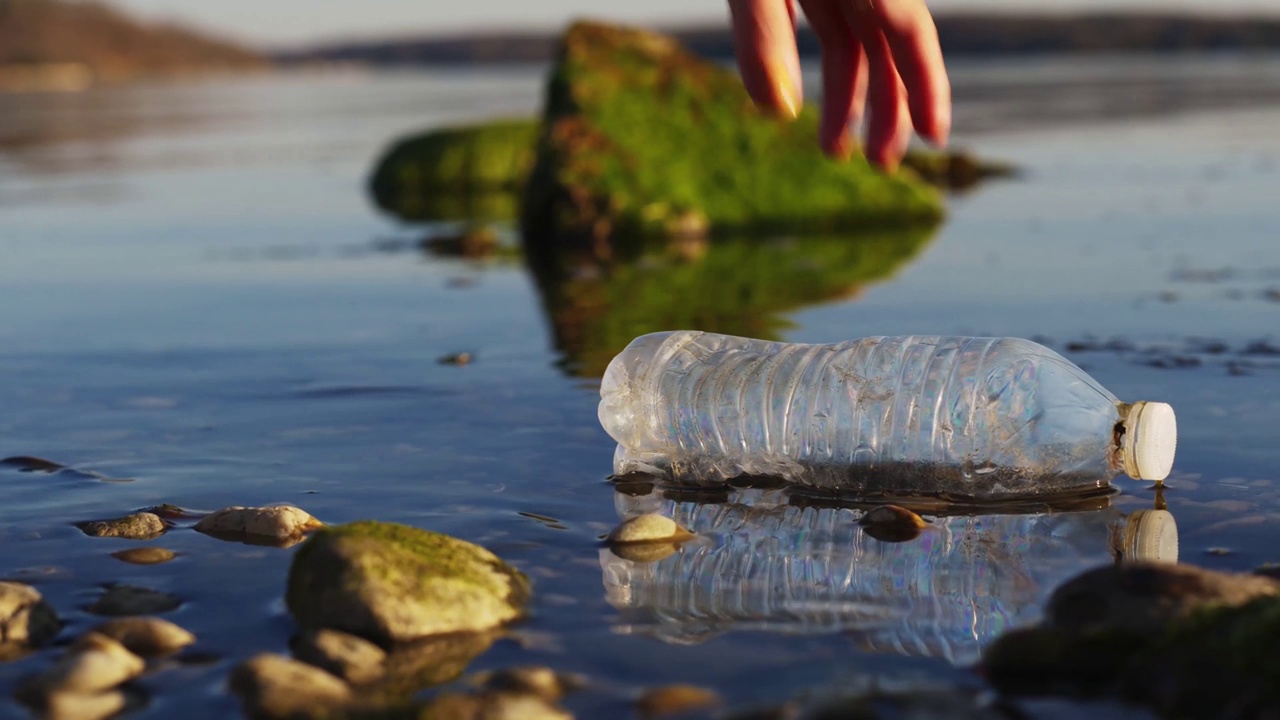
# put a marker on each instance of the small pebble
(347, 656)
(138, 526)
(493, 706)
(279, 522)
(25, 618)
(646, 552)
(674, 699)
(274, 686)
(650, 527)
(92, 664)
(892, 523)
(146, 636)
(129, 600)
(145, 555)
(82, 706)
(534, 680)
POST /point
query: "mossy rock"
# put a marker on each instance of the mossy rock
(467, 173)
(451, 174)
(637, 137)
(637, 130)
(1212, 656)
(392, 583)
(1221, 663)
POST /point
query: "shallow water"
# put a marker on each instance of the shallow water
(200, 302)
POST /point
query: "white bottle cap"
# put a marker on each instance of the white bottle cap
(1150, 439)
(1151, 536)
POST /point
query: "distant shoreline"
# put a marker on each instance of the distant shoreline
(961, 34)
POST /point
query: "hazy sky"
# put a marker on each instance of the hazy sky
(286, 22)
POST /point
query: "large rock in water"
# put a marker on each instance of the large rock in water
(639, 137)
(393, 583)
(1184, 641)
(477, 172)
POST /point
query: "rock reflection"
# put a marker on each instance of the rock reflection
(764, 561)
(599, 298)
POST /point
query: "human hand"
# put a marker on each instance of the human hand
(880, 53)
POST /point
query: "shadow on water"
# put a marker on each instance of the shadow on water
(596, 305)
(763, 561)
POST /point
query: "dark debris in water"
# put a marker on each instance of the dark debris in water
(173, 512)
(349, 391)
(30, 463)
(1261, 347)
(1172, 362)
(1192, 352)
(33, 464)
(545, 520)
(119, 600)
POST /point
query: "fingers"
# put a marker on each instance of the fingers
(913, 41)
(844, 76)
(765, 43)
(889, 124)
(883, 51)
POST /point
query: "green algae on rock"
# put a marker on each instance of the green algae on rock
(638, 133)
(393, 583)
(456, 173)
(400, 185)
(639, 136)
(1204, 649)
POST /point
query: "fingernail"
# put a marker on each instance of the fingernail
(942, 130)
(784, 91)
(842, 147)
(887, 162)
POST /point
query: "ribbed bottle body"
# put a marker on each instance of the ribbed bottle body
(969, 417)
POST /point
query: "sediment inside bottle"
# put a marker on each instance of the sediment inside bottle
(913, 479)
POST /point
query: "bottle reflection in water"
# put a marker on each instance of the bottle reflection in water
(761, 565)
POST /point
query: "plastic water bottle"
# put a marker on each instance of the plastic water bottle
(962, 417)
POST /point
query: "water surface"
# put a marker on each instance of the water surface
(200, 303)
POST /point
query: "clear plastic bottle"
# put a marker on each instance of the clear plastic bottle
(981, 418)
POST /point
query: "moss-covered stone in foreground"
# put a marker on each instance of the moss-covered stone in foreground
(639, 134)
(1204, 653)
(393, 583)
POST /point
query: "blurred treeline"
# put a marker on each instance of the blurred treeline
(106, 43)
